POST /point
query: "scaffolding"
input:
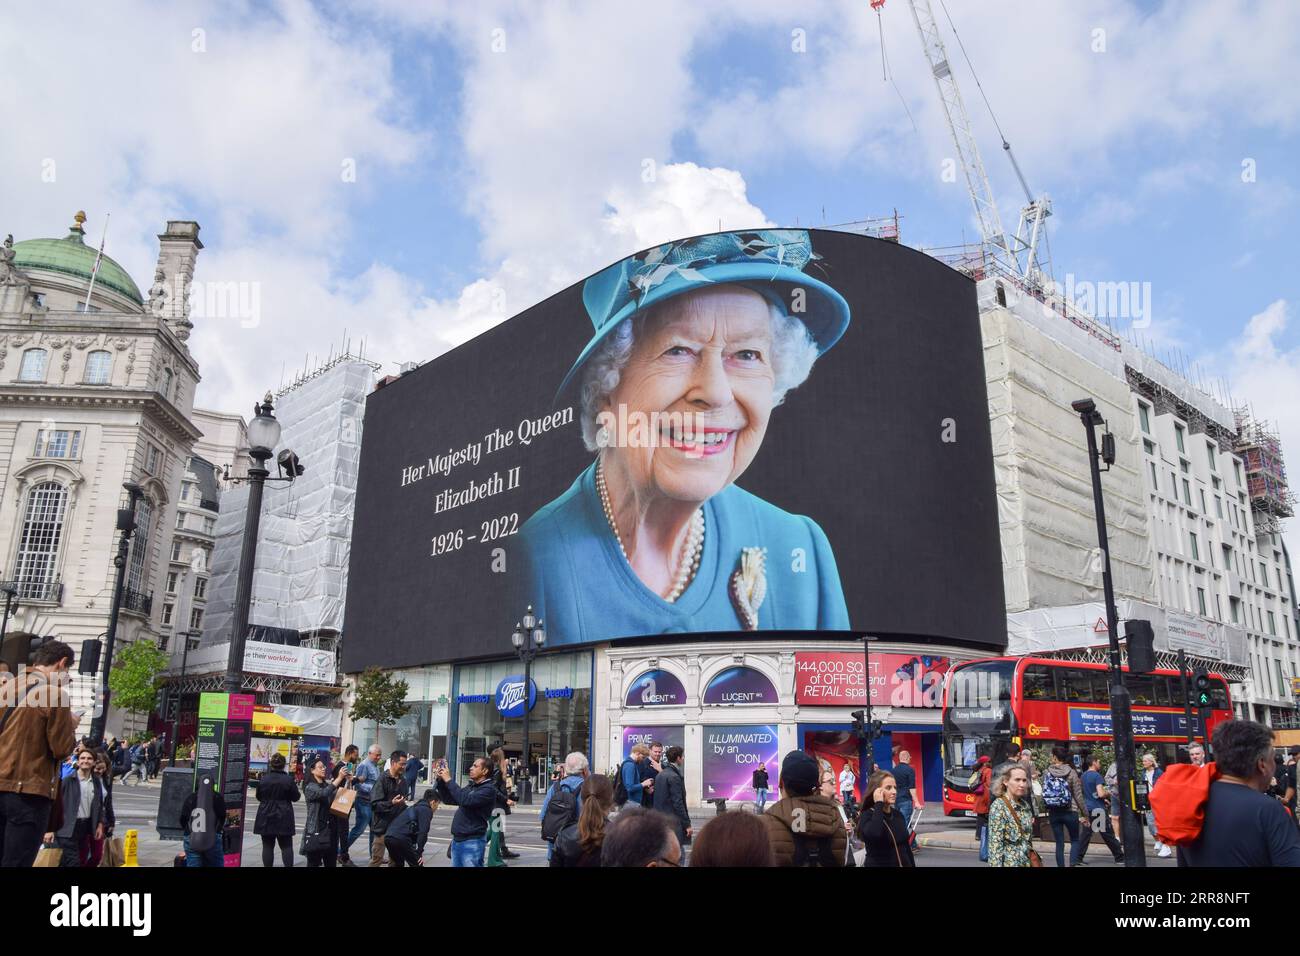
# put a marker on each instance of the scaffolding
(1270, 497)
(877, 227)
(978, 262)
(1100, 654)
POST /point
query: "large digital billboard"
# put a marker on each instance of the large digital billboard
(734, 433)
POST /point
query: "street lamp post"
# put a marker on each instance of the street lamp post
(864, 726)
(176, 708)
(10, 592)
(1120, 704)
(528, 638)
(263, 436)
(126, 525)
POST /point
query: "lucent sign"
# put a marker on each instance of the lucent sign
(656, 688)
(740, 685)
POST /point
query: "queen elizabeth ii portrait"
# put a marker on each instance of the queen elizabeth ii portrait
(696, 344)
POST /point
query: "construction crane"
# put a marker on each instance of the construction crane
(1024, 252)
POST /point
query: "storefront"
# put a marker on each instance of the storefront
(735, 706)
(423, 730)
(490, 702)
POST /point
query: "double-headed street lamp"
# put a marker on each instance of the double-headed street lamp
(529, 638)
(263, 436)
(126, 525)
(1121, 713)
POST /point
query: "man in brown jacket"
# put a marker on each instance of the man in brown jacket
(805, 828)
(38, 729)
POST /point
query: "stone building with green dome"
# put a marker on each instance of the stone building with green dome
(97, 389)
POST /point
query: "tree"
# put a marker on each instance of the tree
(134, 679)
(380, 697)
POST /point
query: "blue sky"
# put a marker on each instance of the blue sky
(500, 153)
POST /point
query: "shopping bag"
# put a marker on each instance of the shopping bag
(49, 856)
(113, 854)
(343, 802)
(494, 847)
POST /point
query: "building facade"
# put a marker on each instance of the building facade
(96, 389)
(1194, 505)
(300, 574)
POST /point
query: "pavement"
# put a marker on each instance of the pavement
(959, 834)
(948, 842)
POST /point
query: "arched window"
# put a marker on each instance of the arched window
(166, 388)
(135, 574)
(38, 548)
(99, 365)
(33, 367)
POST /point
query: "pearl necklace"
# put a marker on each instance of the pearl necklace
(692, 548)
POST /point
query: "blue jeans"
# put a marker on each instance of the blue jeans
(364, 815)
(213, 856)
(468, 852)
(762, 798)
(1065, 821)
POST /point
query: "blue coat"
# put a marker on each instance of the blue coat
(585, 590)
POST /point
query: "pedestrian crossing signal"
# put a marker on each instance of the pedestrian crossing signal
(1201, 696)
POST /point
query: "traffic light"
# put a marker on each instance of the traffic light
(90, 651)
(1140, 639)
(859, 724)
(1201, 693)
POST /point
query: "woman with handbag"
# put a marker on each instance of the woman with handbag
(104, 775)
(276, 795)
(1011, 821)
(317, 837)
(881, 826)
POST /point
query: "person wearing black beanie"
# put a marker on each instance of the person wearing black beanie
(805, 827)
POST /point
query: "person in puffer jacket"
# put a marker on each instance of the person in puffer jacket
(805, 827)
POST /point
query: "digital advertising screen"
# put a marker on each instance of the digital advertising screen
(769, 430)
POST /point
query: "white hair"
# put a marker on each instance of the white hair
(575, 763)
(793, 353)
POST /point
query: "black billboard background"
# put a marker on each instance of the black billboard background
(859, 447)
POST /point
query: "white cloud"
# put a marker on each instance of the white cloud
(1187, 69)
(682, 200)
(1265, 373)
(253, 117)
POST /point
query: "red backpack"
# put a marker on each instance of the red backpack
(1178, 801)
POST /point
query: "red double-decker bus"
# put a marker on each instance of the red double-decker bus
(1040, 701)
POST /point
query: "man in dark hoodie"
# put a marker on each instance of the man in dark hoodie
(387, 801)
(407, 835)
(476, 801)
(805, 828)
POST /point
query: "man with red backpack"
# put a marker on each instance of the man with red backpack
(1242, 825)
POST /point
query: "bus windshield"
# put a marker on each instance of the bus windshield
(977, 720)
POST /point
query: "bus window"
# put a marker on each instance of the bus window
(1037, 683)
(1075, 684)
(1141, 689)
(1100, 687)
(1163, 696)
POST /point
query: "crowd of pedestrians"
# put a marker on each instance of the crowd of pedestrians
(639, 815)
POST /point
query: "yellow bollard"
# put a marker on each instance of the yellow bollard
(130, 848)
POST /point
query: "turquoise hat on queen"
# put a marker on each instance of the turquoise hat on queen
(769, 261)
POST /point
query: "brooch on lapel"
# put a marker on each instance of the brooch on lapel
(749, 586)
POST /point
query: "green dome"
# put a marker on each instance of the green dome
(72, 257)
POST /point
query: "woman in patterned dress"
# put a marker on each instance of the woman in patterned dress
(1011, 820)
